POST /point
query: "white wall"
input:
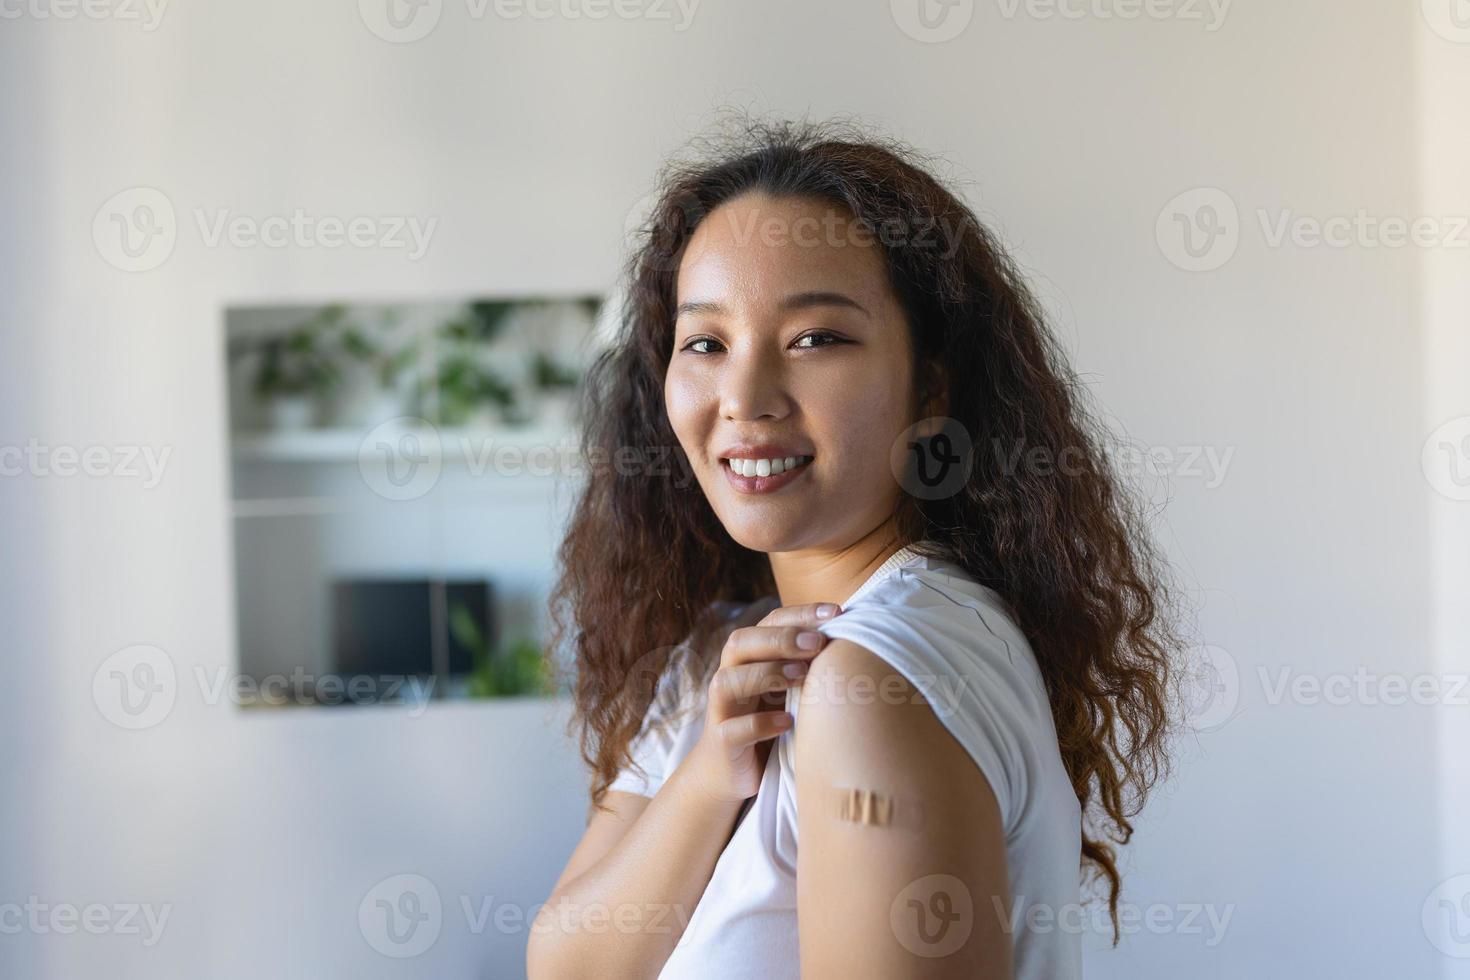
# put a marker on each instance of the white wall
(1321, 828)
(1444, 160)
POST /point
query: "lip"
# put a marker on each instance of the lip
(763, 484)
(763, 450)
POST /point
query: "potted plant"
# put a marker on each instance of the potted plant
(464, 389)
(515, 670)
(295, 369)
(376, 395)
(468, 392)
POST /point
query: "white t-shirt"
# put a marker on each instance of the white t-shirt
(955, 641)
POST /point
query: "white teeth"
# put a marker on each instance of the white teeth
(767, 467)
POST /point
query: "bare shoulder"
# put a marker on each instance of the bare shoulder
(888, 797)
(863, 719)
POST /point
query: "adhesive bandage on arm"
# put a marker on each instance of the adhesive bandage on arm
(871, 808)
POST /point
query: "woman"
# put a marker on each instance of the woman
(865, 411)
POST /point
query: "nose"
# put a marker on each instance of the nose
(753, 385)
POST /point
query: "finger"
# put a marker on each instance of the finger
(733, 690)
(801, 614)
(746, 730)
(750, 644)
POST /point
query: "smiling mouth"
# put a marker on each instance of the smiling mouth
(764, 467)
(764, 476)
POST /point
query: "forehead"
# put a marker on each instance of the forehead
(756, 249)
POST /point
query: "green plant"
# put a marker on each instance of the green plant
(481, 322)
(462, 381)
(387, 363)
(298, 361)
(463, 384)
(514, 670)
(307, 358)
(548, 374)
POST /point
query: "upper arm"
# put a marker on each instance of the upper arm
(928, 894)
(603, 832)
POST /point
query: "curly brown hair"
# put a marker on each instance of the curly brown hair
(645, 560)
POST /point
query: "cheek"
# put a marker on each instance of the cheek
(687, 402)
(857, 425)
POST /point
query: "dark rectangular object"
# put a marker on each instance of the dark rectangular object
(401, 627)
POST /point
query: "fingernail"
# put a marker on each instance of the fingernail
(826, 610)
(794, 670)
(808, 640)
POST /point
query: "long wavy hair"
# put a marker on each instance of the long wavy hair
(645, 560)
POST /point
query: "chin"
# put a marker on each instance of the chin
(763, 537)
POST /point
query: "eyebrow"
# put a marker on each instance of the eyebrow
(796, 301)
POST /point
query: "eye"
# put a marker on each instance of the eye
(699, 340)
(832, 338)
(829, 338)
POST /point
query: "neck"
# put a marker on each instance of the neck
(832, 575)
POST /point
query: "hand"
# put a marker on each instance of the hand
(756, 663)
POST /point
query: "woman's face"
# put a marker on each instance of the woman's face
(788, 334)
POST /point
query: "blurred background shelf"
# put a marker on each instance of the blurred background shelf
(346, 445)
